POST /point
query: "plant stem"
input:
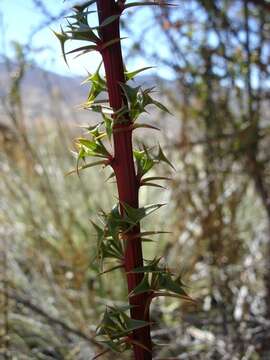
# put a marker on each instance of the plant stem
(123, 165)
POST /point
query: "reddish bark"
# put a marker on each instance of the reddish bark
(123, 165)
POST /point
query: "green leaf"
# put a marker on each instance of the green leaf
(115, 222)
(107, 246)
(93, 147)
(109, 21)
(143, 287)
(112, 269)
(162, 157)
(161, 106)
(133, 324)
(111, 42)
(99, 231)
(151, 178)
(166, 282)
(98, 86)
(152, 185)
(79, 29)
(130, 75)
(83, 49)
(86, 4)
(146, 3)
(144, 161)
(148, 100)
(116, 326)
(86, 166)
(151, 267)
(130, 92)
(62, 37)
(108, 125)
(134, 216)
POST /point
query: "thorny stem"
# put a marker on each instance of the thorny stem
(124, 169)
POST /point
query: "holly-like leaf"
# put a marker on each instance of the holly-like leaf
(130, 75)
(163, 158)
(143, 287)
(148, 100)
(62, 37)
(83, 50)
(130, 92)
(116, 326)
(83, 6)
(108, 122)
(93, 147)
(115, 222)
(144, 161)
(167, 283)
(86, 166)
(133, 324)
(98, 86)
(134, 215)
(150, 267)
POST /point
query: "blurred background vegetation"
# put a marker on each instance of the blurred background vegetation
(213, 64)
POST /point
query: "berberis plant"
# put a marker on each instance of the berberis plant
(120, 237)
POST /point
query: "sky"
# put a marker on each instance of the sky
(20, 19)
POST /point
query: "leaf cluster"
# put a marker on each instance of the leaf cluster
(111, 238)
(116, 327)
(159, 281)
(138, 99)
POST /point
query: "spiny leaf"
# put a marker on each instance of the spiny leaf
(131, 74)
(84, 49)
(99, 230)
(62, 37)
(143, 287)
(152, 185)
(135, 215)
(108, 125)
(108, 21)
(101, 162)
(133, 324)
(151, 267)
(93, 147)
(86, 4)
(144, 161)
(162, 157)
(145, 3)
(166, 282)
(148, 100)
(130, 92)
(111, 42)
(112, 269)
(161, 106)
(98, 85)
(82, 14)
(151, 178)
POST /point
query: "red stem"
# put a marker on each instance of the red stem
(123, 165)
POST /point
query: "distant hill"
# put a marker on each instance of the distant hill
(45, 92)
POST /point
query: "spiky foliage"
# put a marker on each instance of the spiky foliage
(119, 238)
